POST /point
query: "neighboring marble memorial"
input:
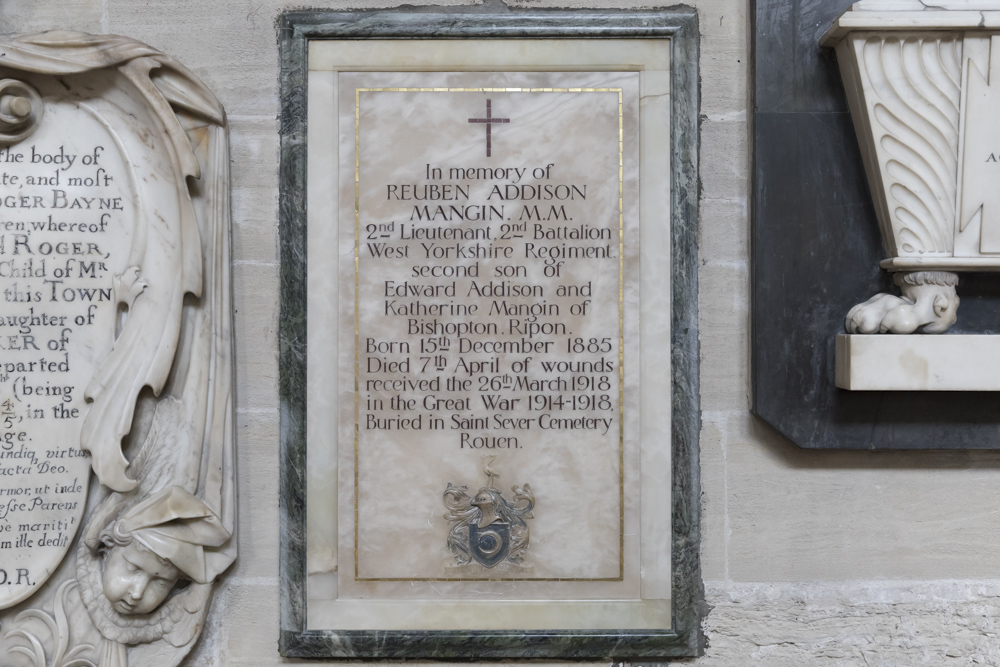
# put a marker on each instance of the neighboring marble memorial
(500, 392)
(116, 356)
(920, 82)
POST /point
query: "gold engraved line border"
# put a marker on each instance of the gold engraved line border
(462, 579)
(621, 345)
(357, 278)
(621, 324)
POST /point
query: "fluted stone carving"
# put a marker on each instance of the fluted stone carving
(917, 83)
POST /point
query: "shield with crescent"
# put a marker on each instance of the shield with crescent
(489, 545)
(487, 530)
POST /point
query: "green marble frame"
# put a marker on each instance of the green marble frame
(494, 20)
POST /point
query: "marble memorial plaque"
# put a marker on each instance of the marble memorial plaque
(68, 218)
(489, 289)
(490, 313)
(117, 495)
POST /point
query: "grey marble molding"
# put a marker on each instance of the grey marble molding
(493, 20)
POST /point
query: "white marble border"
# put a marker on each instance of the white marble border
(651, 58)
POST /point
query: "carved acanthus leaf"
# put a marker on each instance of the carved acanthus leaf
(59, 631)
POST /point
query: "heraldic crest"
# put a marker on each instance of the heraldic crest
(488, 531)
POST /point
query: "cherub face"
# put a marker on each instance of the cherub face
(137, 581)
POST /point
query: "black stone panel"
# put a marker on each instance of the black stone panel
(793, 73)
(816, 250)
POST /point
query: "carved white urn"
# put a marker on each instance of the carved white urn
(923, 84)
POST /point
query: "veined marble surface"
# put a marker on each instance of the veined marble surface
(535, 196)
(58, 325)
(918, 363)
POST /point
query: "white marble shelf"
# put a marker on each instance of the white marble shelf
(883, 21)
(918, 362)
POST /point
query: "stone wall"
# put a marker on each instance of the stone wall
(809, 557)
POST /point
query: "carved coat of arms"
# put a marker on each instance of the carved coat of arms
(488, 533)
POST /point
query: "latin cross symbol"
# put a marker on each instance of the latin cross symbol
(489, 121)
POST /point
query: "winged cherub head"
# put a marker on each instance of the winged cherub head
(155, 544)
(136, 580)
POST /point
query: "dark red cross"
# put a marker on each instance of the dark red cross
(489, 120)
